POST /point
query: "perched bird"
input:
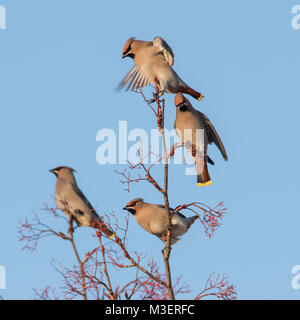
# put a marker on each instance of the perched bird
(153, 62)
(72, 201)
(153, 218)
(188, 121)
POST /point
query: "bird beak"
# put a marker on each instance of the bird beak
(128, 54)
(54, 172)
(125, 208)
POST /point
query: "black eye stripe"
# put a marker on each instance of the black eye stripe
(182, 106)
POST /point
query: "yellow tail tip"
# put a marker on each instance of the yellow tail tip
(110, 237)
(207, 183)
(201, 97)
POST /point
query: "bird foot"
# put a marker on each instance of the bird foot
(151, 101)
(163, 238)
(156, 96)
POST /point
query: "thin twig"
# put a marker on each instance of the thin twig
(81, 265)
(99, 235)
(167, 250)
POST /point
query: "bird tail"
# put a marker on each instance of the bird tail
(99, 224)
(195, 94)
(109, 234)
(191, 221)
(203, 178)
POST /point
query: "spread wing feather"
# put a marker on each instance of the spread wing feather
(165, 49)
(86, 201)
(134, 79)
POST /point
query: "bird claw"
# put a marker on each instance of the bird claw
(164, 238)
(156, 96)
(151, 101)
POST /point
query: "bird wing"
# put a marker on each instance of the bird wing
(79, 193)
(135, 78)
(212, 134)
(172, 211)
(181, 215)
(82, 196)
(164, 49)
(163, 207)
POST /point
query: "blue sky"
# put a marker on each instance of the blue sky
(60, 62)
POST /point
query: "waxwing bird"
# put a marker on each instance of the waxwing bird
(152, 218)
(189, 124)
(153, 63)
(72, 202)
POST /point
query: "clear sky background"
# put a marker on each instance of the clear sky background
(60, 62)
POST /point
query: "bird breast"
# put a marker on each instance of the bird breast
(152, 219)
(186, 127)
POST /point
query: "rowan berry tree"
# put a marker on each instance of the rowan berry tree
(92, 276)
